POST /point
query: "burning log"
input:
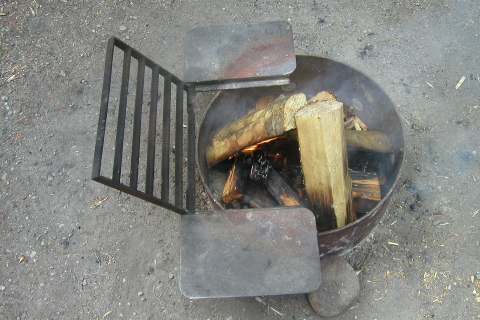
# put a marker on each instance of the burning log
(234, 187)
(268, 122)
(323, 153)
(262, 172)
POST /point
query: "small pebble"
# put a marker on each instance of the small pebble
(171, 276)
(62, 73)
(140, 293)
(33, 254)
(477, 276)
(123, 27)
(4, 98)
(2, 288)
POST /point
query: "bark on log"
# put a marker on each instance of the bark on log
(268, 122)
(321, 138)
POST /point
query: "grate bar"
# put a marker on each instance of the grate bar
(137, 124)
(102, 118)
(152, 132)
(179, 146)
(167, 101)
(122, 112)
(191, 149)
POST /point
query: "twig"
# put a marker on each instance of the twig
(276, 311)
(429, 85)
(460, 82)
(154, 295)
(96, 204)
(406, 120)
(18, 120)
(106, 314)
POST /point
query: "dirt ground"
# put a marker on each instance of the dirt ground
(60, 259)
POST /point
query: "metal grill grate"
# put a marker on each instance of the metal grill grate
(155, 130)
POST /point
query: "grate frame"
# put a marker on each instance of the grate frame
(179, 203)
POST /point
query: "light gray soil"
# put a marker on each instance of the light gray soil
(60, 259)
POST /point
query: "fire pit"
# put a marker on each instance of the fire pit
(231, 252)
(313, 74)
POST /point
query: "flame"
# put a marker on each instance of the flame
(258, 145)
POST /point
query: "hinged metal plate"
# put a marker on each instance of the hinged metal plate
(239, 55)
(249, 252)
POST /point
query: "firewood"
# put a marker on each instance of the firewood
(365, 185)
(258, 197)
(351, 120)
(359, 125)
(235, 185)
(268, 122)
(262, 172)
(323, 153)
(368, 140)
(323, 96)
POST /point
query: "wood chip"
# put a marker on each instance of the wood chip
(96, 204)
(11, 78)
(460, 82)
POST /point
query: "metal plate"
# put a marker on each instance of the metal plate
(249, 252)
(239, 55)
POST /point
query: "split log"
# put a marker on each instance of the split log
(365, 185)
(323, 96)
(235, 185)
(323, 153)
(268, 122)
